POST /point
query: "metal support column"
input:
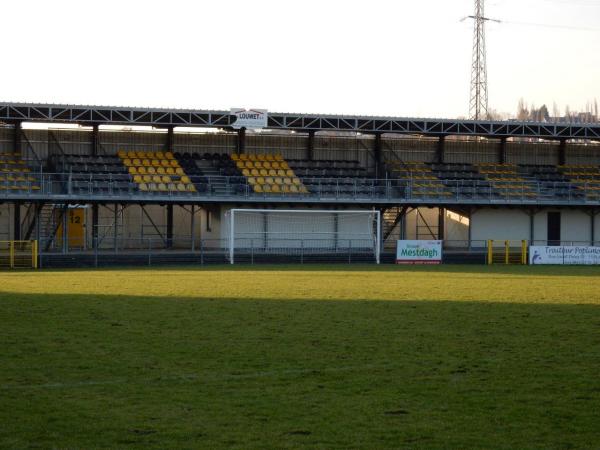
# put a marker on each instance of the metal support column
(593, 227)
(17, 138)
(241, 141)
(310, 148)
(65, 229)
(17, 222)
(170, 139)
(562, 152)
(441, 224)
(441, 148)
(116, 227)
(502, 151)
(193, 227)
(95, 139)
(378, 160)
(170, 226)
(531, 226)
(95, 227)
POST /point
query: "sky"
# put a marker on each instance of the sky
(378, 57)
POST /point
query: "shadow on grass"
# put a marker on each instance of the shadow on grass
(154, 372)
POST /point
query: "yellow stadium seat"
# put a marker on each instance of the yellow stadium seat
(270, 157)
(266, 188)
(243, 157)
(171, 187)
(269, 180)
(152, 187)
(169, 155)
(272, 172)
(293, 189)
(142, 170)
(278, 158)
(267, 165)
(285, 188)
(179, 171)
(181, 187)
(275, 165)
(174, 163)
(127, 162)
(289, 173)
(257, 188)
(170, 171)
(254, 172)
(165, 162)
(240, 164)
(136, 162)
(156, 162)
(284, 165)
(131, 155)
(235, 157)
(166, 179)
(281, 173)
(260, 180)
(264, 172)
(278, 180)
(160, 171)
(141, 155)
(162, 187)
(122, 154)
(296, 181)
(185, 179)
(159, 155)
(143, 162)
(287, 180)
(275, 188)
(143, 187)
(251, 180)
(151, 170)
(190, 187)
(258, 164)
(133, 170)
(138, 179)
(157, 179)
(246, 172)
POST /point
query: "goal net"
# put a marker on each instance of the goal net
(302, 232)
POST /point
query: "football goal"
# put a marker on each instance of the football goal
(302, 232)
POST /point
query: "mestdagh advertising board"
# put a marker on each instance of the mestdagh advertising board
(564, 255)
(419, 252)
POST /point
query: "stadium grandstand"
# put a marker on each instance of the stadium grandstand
(103, 185)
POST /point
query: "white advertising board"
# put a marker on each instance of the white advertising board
(575, 255)
(249, 118)
(419, 252)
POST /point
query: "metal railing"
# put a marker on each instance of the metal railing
(88, 186)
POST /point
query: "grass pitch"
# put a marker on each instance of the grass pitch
(301, 357)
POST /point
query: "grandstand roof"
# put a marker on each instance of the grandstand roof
(161, 117)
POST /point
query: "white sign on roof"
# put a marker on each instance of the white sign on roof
(249, 118)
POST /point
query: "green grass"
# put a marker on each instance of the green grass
(301, 357)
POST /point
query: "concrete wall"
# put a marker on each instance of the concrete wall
(514, 224)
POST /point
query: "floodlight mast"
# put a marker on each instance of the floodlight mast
(478, 104)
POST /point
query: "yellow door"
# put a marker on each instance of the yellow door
(75, 229)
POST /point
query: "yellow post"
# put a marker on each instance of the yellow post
(506, 252)
(490, 254)
(524, 252)
(34, 254)
(11, 254)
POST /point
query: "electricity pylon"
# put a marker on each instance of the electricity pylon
(478, 104)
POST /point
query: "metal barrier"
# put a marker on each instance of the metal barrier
(61, 186)
(507, 252)
(18, 254)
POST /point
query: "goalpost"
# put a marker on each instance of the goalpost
(302, 232)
